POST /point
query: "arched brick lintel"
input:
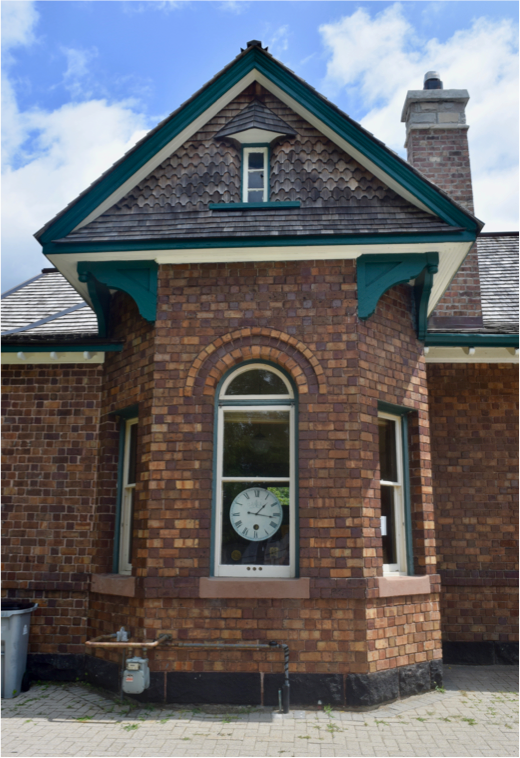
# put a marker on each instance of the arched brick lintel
(258, 344)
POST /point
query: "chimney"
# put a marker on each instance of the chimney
(437, 137)
(437, 144)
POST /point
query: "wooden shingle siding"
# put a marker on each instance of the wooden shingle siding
(337, 194)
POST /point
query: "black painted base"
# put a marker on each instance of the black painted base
(480, 653)
(228, 688)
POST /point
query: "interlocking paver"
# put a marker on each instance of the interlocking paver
(475, 715)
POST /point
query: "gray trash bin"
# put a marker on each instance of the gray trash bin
(16, 621)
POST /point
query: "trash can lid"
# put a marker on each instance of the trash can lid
(16, 605)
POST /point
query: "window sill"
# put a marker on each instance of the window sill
(274, 206)
(224, 587)
(113, 584)
(394, 585)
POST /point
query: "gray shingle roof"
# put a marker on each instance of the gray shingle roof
(255, 116)
(337, 194)
(46, 305)
(498, 267)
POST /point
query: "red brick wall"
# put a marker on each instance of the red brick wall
(50, 446)
(474, 420)
(302, 316)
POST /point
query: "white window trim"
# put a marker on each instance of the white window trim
(263, 572)
(245, 157)
(253, 367)
(399, 568)
(126, 505)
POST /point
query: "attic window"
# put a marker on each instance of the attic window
(255, 174)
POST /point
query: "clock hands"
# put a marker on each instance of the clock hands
(265, 515)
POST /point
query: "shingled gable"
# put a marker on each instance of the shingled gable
(356, 199)
(254, 118)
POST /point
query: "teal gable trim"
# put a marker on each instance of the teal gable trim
(376, 274)
(63, 248)
(254, 58)
(137, 278)
(471, 340)
(268, 206)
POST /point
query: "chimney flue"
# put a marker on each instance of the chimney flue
(432, 80)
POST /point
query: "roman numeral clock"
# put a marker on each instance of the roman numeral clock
(256, 514)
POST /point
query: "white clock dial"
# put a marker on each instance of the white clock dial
(256, 514)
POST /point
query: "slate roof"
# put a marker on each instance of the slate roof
(337, 194)
(496, 291)
(255, 116)
(46, 306)
(498, 267)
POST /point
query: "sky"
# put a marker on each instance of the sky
(83, 80)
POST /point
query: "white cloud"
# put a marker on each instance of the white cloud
(49, 157)
(377, 59)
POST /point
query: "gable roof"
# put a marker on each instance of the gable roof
(46, 306)
(336, 194)
(255, 116)
(255, 64)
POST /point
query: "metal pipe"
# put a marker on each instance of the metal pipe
(134, 643)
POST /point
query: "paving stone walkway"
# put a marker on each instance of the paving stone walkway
(475, 715)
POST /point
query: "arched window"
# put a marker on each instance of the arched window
(255, 494)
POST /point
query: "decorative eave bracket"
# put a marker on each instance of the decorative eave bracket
(376, 274)
(137, 278)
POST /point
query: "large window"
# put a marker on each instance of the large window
(393, 515)
(255, 175)
(254, 532)
(127, 496)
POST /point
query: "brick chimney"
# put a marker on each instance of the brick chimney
(437, 145)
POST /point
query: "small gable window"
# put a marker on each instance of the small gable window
(255, 175)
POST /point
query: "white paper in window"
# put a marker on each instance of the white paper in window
(383, 526)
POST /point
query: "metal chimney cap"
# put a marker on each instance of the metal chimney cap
(431, 75)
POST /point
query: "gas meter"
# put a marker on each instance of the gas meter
(136, 676)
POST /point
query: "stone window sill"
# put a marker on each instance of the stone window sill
(113, 584)
(392, 586)
(219, 587)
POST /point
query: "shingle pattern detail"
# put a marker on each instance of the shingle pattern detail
(255, 116)
(46, 297)
(337, 195)
(498, 266)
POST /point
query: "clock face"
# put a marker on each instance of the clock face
(256, 514)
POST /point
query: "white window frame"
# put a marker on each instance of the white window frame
(125, 534)
(399, 568)
(257, 403)
(245, 171)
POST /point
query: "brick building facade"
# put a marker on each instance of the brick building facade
(277, 242)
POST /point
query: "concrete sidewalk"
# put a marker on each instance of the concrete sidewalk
(475, 715)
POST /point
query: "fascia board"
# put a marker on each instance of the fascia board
(461, 355)
(254, 67)
(41, 357)
(451, 255)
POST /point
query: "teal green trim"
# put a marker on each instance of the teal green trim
(63, 248)
(137, 278)
(38, 347)
(471, 340)
(376, 274)
(399, 410)
(100, 298)
(218, 403)
(269, 206)
(254, 58)
(422, 289)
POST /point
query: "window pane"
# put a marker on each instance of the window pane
(387, 451)
(260, 511)
(132, 458)
(255, 179)
(256, 160)
(388, 525)
(256, 443)
(256, 196)
(130, 499)
(257, 382)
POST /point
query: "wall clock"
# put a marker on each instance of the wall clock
(256, 514)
